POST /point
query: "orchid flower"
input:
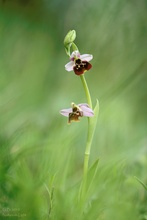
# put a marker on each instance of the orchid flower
(79, 63)
(77, 111)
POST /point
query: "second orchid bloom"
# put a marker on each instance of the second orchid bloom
(79, 63)
(77, 111)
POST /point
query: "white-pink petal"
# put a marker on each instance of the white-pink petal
(69, 66)
(86, 57)
(83, 104)
(87, 111)
(65, 112)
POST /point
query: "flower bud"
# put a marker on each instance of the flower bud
(69, 38)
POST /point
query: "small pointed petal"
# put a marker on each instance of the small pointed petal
(86, 57)
(69, 66)
(65, 112)
(75, 54)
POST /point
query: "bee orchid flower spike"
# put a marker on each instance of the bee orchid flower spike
(80, 63)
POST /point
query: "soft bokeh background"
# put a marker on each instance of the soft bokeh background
(41, 157)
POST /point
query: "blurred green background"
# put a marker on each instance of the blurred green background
(41, 156)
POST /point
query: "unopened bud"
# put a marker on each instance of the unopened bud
(69, 38)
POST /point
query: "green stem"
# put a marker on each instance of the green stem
(86, 90)
(89, 138)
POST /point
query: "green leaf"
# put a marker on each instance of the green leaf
(93, 120)
(145, 186)
(50, 190)
(92, 173)
(96, 110)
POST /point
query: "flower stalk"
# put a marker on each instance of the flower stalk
(90, 134)
(86, 89)
(80, 64)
